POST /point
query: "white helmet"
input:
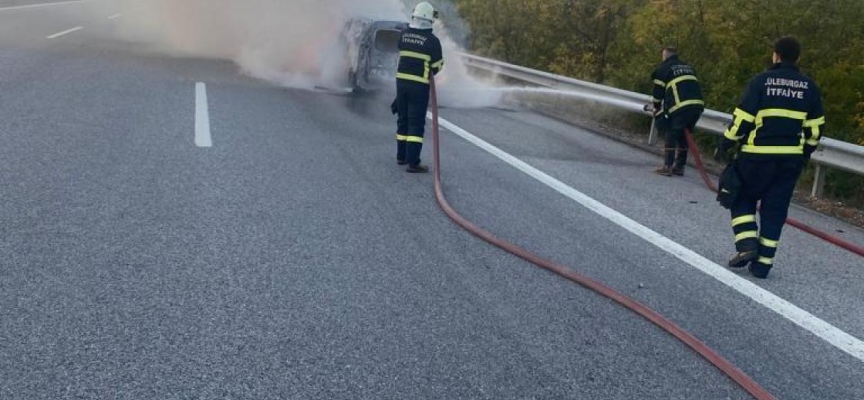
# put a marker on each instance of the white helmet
(425, 11)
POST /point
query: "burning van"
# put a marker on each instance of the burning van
(373, 52)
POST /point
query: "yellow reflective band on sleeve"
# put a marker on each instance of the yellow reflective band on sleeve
(765, 260)
(685, 104)
(414, 139)
(409, 77)
(746, 235)
(752, 149)
(743, 115)
(414, 54)
(743, 220)
(438, 64)
(779, 113)
(730, 134)
(401, 138)
(682, 79)
(815, 134)
(768, 242)
(811, 123)
(659, 83)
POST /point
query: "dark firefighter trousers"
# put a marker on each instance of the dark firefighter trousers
(673, 128)
(412, 100)
(771, 180)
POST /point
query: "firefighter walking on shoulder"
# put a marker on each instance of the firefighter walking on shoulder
(678, 105)
(776, 128)
(420, 59)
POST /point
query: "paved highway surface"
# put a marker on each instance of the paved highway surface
(294, 259)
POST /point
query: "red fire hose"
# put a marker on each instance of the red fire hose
(685, 337)
(694, 148)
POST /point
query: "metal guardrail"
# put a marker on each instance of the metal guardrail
(830, 154)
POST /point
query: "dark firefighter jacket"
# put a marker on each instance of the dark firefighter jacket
(780, 113)
(676, 87)
(419, 54)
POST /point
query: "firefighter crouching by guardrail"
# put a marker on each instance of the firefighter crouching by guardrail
(677, 107)
(420, 58)
(775, 130)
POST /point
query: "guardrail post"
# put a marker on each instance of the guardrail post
(819, 181)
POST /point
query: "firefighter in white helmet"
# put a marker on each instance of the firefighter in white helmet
(420, 59)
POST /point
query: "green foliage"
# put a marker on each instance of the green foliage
(618, 42)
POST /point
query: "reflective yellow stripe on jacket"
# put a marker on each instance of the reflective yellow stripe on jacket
(776, 150)
(426, 60)
(751, 146)
(673, 84)
(685, 104)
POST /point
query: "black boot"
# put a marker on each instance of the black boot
(759, 270)
(664, 170)
(743, 258)
(417, 169)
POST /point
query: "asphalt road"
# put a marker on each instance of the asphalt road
(295, 260)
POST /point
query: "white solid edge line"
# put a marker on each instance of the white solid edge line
(115, 16)
(57, 3)
(68, 31)
(202, 117)
(831, 334)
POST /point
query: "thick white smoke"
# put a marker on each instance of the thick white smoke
(457, 88)
(283, 41)
(291, 43)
